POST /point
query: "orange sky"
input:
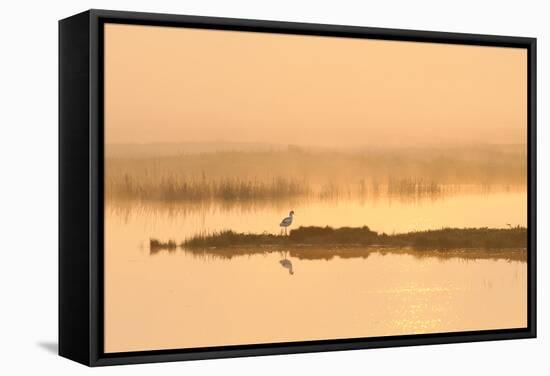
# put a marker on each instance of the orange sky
(166, 84)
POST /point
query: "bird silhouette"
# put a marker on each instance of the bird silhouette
(287, 221)
(287, 264)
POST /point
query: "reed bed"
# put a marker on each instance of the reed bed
(177, 189)
(240, 176)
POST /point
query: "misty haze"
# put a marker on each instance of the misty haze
(271, 188)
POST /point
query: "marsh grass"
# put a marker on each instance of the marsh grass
(442, 239)
(177, 189)
(239, 176)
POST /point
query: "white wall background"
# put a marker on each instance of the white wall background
(28, 185)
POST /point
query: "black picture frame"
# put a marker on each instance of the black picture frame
(81, 186)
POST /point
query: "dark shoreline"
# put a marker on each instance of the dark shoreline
(353, 241)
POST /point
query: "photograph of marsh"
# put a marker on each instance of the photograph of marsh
(264, 188)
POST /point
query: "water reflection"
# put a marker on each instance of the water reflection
(342, 252)
(180, 221)
(154, 300)
(127, 207)
(286, 263)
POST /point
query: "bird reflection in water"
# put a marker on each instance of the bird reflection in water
(286, 263)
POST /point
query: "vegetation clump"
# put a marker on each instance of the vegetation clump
(156, 245)
(442, 239)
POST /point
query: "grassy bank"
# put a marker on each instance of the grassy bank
(442, 239)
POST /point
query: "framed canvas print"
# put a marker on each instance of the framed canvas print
(236, 187)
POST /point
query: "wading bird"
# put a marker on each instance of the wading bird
(287, 221)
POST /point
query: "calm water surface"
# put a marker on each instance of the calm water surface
(182, 299)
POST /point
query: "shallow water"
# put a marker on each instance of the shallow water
(382, 214)
(191, 299)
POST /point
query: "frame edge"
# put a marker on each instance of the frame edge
(94, 355)
(74, 247)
